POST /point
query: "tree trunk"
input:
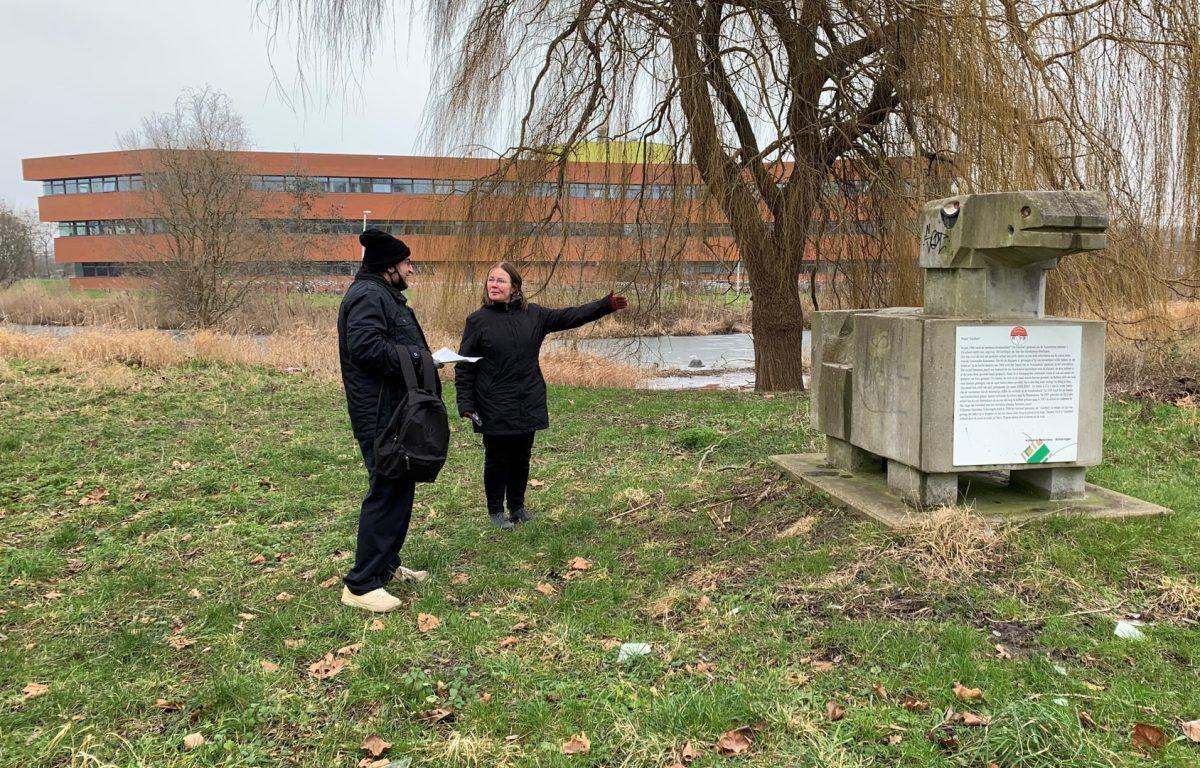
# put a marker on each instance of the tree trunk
(777, 319)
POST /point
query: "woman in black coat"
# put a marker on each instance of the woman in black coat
(504, 393)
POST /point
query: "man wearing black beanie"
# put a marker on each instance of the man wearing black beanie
(375, 328)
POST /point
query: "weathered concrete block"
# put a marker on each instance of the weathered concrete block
(832, 337)
(923, 489)
(886, 419)
(835, 400)
(851, 458)
(1051, 482)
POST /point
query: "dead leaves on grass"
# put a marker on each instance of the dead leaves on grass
(579, 744)
(328, 666)
(33, 690)
(965, 693)
(193, 741)
(375, 746)
(427, 622)
(738, 741)
(1148, 738)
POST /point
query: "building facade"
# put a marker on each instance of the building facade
(608, 216)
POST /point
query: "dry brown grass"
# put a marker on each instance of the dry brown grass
(306, 350)
(951, 544)
(1177, 601)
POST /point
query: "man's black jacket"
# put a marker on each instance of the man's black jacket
(375, 327)
(506, 387)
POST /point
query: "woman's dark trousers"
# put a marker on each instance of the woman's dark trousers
(506, 470)
(382, 526)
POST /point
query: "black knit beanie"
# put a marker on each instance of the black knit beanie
(381, 250)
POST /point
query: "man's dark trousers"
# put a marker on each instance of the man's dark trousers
(382, 526)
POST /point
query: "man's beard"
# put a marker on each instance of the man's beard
(398, 282)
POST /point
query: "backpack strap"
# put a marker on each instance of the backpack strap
(428, 372)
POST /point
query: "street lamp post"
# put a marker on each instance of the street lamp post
(363, 255)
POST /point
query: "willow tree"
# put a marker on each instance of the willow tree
(770, 100)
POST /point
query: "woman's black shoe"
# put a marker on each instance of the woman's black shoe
(499, 521)
(522, 515)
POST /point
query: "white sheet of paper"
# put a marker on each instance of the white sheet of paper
(447, 355)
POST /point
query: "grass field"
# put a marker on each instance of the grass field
(164, 542)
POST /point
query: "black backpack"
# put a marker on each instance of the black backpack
(413, 445)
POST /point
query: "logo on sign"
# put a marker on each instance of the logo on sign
(1018, 335)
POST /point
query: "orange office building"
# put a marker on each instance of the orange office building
(423, 200)
(606, 214)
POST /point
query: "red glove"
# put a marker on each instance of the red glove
(617, 302)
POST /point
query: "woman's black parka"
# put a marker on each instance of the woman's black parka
(506, 387)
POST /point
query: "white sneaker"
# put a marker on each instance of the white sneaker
(375, 601)
(408, 574)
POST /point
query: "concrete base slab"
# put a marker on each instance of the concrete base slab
(988, 493)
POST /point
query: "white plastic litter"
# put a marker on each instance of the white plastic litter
(1127, 630)
(631, 651)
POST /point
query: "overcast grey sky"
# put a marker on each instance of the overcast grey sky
(76, 73)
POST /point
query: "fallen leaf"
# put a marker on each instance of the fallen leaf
(972, 720)
(1093, 686)
(473, 615)
(579, 564)
(35, 689)
(247, 616)
(437, 715)
(185, 538)
(535, 484)
(53, 595)
(879, 690)
(577, 744)
(1086, 720)
(374, 746)
(294, 643)
(194, 594)
(1148, 737)
(485, 697)
(179, 642)
(167, 706)
(94, 496)
(700, 668)
(1191, 730)
(382, 762)
(427, 622)
(329, 582)
(269, 666)
(506, 642)
(1002, 652)
(349, 650)
(284, 597)
(965, 693)
(341, 554)
(375, 626)
(703, 603)
(822, 666)
(327, 667)
(193, 741)
(735, 742)
(140, 496)
(892, 739)
(913, 704)
(259, 558)
(834, 711)
(688, 752)
(545, 589)
(460, 578)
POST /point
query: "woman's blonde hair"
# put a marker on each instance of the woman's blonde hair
(515, 277)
